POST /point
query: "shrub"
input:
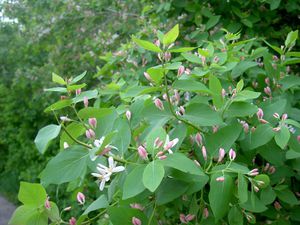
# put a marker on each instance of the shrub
(209, 135)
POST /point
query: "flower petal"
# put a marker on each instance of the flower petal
(111, 162)
(118, 169)
(102, 184)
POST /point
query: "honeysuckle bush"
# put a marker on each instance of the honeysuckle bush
(206, 135)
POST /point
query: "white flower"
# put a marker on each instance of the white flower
(98, 143)
(106, 172)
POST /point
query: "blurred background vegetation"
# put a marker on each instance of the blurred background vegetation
(38, 37)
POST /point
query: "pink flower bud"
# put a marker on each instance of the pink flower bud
(221, 154)
(128, 115)
(263, 121)
(215, 129)
(277, 205)
(266, 167)
(223, 93)
(267, 90)
(171, 144)
(284, 116)
(203, 60)
(189, 217)
(90, 134)
(78, 91)
(276, 115)
(298, 138)
(160, 153)
(93, 122)
(232, 154)
(220, 179)
(198, 139)
(182, 218)
(167, 56)
(267, 81)
(260, 113)
(72, 221)
(256, 189)
(180, 71)
(276, 129)
(47, 203)
(205, 213)
(80, 198)
(176, 95)
(253, 172)
(272, 170)
(204, 153)
(188, 71)
(181, 110)
(85, 101)
(66, 145)
(148, 77)
(246, 127)
(158, 103)
(162, 157)
(136, 221)
(63, 97)
(142, 152)
(137, 206)
(275, 58)
(157, 43)
(254, 84)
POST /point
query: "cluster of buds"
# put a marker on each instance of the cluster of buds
(90, 134)
(268, 91)
(253, 172)
(269, 169)
(260, 115)
(186, 218)
(93, 122)
(180, 111)
(72, 221)
(167, 146)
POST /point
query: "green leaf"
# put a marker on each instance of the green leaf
(264, 178)
(213, 20)
(287, 196)
(89, 94)
(58, 105)
(38, 218)
(274, 4)
(183, 49)
(122, 140)
(78, 78)
(99, 203)
(58, 79)
(190, 85)
(22, 214)
(240, 86)
(133, 184)
(153, 175)
(75, 129)
(253, 204)
(242, 188)
(164, 195)
(91, 112)
(291, 38)
(180, 162)
(235, 216)
(156, 74)
(241, 109)
(191, 58)
(32, 194)
(242, 67)
(292, 154)
(75, 87)
(45, 136)
(224, 138)
(246, 95)
(267, 195)
(53, 212)
(220, 195)
(282, 137)
(171, 36)
(216, 88)
(262, 135)
(146, 45)
(202, 115)
(66, 166)
(123, 215)
(57, 89)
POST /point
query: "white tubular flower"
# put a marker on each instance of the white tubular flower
(103, 177)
